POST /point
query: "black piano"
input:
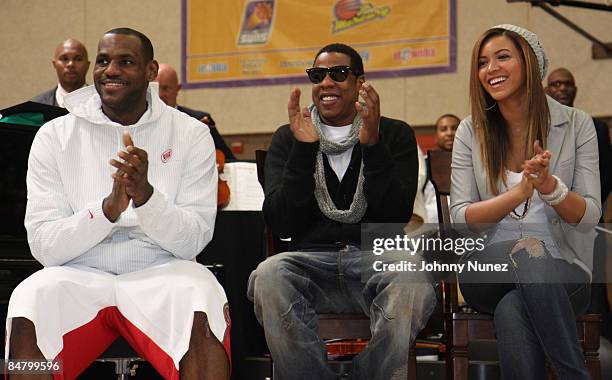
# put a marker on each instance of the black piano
(15, 142)
(16, 262)
(18, 126)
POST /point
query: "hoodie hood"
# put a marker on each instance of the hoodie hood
(85, 103)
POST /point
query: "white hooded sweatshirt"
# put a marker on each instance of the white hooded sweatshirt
(69, 176)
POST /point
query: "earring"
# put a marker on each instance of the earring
(491, 107)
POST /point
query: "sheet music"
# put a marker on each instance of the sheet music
(246, 193)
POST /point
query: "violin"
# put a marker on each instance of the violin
(223, 190)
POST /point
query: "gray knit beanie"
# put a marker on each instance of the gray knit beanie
(533, 41)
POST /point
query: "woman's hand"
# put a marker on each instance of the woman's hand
(525, 187)
(495, 209)
(536, 171)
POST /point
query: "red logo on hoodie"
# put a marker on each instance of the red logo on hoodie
(165, 157)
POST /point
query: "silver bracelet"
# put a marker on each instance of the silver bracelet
(558, 194)
(555, 193)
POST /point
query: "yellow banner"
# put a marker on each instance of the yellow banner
(251, 42)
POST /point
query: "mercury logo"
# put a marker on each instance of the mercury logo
(352, 13)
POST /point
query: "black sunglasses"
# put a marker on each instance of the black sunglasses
(336, 73)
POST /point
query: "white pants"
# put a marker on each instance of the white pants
(153, 309)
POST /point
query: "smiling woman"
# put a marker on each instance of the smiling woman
(504, 67)
(544, 212)
(501, 70)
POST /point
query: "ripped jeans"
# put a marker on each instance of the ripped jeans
(534, 305)
(290, 288)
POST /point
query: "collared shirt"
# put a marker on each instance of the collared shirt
(60, 93)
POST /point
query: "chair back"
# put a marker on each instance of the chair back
(260, 161)
(439, 171)
(274, 244)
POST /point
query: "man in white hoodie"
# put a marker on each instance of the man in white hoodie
(121, 199)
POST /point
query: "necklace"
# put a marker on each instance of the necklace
(526, 205)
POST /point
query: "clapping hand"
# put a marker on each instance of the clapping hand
(117, 201)
(300, 121)
(368, 135)
(132, 172)
(536, 170)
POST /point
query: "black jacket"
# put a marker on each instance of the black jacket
(218, 140)
(605, 157)
(390, 171)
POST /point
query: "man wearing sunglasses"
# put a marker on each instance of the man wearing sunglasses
(338, 164)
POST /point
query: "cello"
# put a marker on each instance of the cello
(223, 190)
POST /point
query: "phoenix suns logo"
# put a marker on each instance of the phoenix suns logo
(257, 21)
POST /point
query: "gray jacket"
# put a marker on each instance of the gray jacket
(47, 97)
(573, 144)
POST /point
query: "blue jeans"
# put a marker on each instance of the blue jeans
(290, 288)
(534, 306)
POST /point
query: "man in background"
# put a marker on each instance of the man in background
(446, 126)
(169, 88)
(71, 64)
(562, 87)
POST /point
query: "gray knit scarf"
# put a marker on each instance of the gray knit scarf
(326, 204)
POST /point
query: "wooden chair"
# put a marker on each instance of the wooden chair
(331, 325)
(461, 328)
